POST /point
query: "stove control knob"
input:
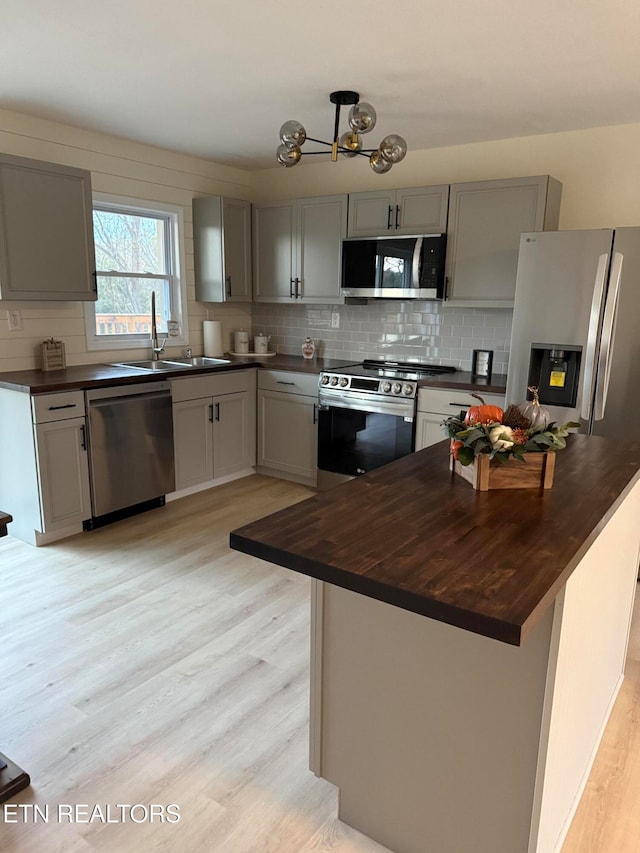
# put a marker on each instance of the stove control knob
(397, 388)
(334, 380)
(407, 389)
(324, 379)
(386, 387)
(344, 382)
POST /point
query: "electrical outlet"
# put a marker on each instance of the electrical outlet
(335, 320)
(15, 321)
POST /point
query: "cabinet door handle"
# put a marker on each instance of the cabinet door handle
(211, 413)
(217, 411)
(389, 218)
(66, 406)
(280, 382)
(315, 413)
(397, 215)
(83, 437)
(94, 275)
(228, 280)
(298, 288)
(446, 288)
(292, 294)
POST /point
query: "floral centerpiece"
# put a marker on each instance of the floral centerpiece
(504, 436)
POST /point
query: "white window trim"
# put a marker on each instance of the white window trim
(120, 342)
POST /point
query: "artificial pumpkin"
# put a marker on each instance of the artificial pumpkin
(501, 437)
(456, 444)
(537, 415)
(483, 414)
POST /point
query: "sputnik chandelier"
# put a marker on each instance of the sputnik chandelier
(362, 119)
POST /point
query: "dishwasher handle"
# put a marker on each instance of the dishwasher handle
(117, 401)
(138, 389)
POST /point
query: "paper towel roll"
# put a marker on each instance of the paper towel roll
(212, 330)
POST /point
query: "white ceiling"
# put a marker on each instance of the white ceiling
(217, 78)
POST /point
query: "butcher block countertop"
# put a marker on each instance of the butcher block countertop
(103, 375)
(416, 536)
(463, 380)
(83, 376)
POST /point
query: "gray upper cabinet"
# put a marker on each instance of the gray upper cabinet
(297, 249)
(412, 210)
(486, 219)
(273, 248)
(222, 249)
(46, 231)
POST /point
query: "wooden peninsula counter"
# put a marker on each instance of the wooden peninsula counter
(472, 730)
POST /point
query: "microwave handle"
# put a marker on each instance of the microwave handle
(416, 265)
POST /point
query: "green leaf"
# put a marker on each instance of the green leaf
(465, 455)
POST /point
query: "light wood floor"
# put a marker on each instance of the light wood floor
(147, 663)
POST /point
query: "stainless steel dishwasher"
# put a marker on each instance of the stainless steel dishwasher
(130, 431)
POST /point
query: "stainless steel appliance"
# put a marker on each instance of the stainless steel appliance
(130, 449)
(366, 415)
(394, 267)
(575, 327)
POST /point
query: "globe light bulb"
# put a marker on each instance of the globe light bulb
(362, 117)
(288, 155)
(378, 163)
(393, 148)
(352, 142)
(292, 133)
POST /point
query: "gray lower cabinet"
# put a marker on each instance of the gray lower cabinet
(297, 249)
(222, 249)
(63, 472)
(287, 425)
(411, 210)
(46, 231)
(486, 219)
(214, 435)
(44, 480)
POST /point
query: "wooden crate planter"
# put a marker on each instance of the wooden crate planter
(483, 474)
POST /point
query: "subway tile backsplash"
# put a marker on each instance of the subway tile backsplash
(423, 330)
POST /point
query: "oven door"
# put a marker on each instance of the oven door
(355, 436)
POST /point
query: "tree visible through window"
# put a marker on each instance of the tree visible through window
(133, 258)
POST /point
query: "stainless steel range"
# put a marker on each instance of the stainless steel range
(367, 416)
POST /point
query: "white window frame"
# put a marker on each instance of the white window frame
(178, 286)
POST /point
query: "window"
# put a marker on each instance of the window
(138, 252)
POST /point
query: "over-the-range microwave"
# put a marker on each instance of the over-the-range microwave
(394, 267)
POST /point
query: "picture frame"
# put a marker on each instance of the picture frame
(482, 363)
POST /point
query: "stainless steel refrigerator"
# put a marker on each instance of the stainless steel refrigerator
(576, 327)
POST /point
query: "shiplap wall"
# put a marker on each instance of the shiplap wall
(125, 168)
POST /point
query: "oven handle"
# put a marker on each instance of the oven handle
(362, 404)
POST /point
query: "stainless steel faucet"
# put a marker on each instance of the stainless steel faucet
(156, 349)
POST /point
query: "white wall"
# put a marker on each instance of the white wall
(125, 168)
(599, 170)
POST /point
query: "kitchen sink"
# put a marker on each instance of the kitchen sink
(150, 365)
(199, 361)
(174, 363)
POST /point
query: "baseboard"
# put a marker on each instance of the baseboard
(285, 475)
(55, 535)
(210, 484)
